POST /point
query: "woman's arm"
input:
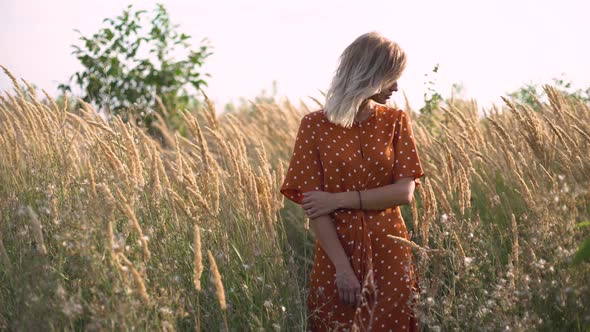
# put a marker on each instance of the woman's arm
(346, 281)
(325, 232)
(380, 198)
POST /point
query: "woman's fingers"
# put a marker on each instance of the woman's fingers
(351, 297)
(347, 296)
(344, 295)
(317, 212)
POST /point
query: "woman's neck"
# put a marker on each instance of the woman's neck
(364, 111)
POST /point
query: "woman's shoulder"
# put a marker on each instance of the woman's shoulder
(314, 118)
(390, 112)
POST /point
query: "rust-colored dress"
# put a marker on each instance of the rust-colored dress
(375, 152)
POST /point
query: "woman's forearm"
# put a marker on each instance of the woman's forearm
(325, 232)
(379, 198)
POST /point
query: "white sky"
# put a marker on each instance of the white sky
(490, 47)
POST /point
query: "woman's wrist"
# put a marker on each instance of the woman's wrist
(342, 266)
(347, 200)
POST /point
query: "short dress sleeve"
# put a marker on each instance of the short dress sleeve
(407, 162)
(305, 171)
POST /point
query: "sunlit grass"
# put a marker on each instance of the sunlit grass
(98, 220)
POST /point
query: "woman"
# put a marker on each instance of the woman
(354, 163)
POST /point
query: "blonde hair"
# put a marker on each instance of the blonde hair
(369, 64)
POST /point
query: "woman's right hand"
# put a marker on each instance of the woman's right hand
(349, 288)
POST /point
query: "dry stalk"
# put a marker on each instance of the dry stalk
(218, 287)
(411, 244)
(36, 228)
(198, 259)
(137, 277)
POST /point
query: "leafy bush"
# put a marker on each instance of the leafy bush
(126, 67)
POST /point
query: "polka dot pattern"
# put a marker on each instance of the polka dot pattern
(375, 152)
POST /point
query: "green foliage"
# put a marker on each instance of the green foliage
(126, 67)
(583, 253)
(531, 92)
(432, 98)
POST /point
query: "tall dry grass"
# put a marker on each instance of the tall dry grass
(102, 227)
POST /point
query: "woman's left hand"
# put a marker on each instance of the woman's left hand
(318, 203)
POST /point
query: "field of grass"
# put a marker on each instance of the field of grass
(102, 227)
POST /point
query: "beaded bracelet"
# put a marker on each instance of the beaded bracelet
(360, 200)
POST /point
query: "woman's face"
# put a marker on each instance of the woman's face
(384, 95)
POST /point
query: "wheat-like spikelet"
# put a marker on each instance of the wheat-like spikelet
(155, 181)
(132, 154)
(280, 177)
(216, 192)
(102, 126)
(168, 139)
(505, 138)
(112, 158)
(218, 283)
(463, 156)
(211, 114)
(15, 84)
(407, 242)
(198, 259)
(54, 208)
(53, 104)
(256, 196)
(557, 132)
(111, 241)
(196, 193)
(425, 205)
(161, 106)
(91, 177)
(464, 190)
(180, 202)
(449, 167)
(431, 209)
(415, 218)
(453, 115)
(459, 246)
(205, 156)
(128, 211)
(179, 164)
(163, 174)
(441, 196)
(137, 277)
